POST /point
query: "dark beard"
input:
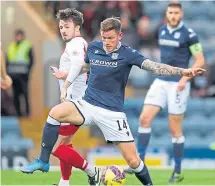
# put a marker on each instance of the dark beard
(174, 26)
(68, 40)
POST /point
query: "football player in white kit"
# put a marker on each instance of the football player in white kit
(76, 46)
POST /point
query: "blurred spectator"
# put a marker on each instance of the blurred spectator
(51, 8)
(129, 32)
(134, 9)
(20, 59)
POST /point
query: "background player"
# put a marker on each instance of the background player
(177, 44)
(110, 64)
(70, 23)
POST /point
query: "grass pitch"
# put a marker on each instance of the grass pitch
(160, 177)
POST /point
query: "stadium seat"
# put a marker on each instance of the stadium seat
(162, 142)
(10, 124)
(196, 124)
(160, 127)
(209, 107)
(133, 107)
(11, 140)
(196, 141)
(134, 125)
(194, 106)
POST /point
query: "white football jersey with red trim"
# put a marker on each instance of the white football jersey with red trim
(75, 48)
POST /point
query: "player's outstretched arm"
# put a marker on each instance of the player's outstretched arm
(167, 70)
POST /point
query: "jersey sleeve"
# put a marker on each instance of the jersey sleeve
(76, 50)
(193, 42)
(89, 51)
(137, 58)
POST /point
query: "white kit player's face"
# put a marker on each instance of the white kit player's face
(173, 16)
(67, 29)
(110, 39)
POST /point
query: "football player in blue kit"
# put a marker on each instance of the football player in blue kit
(177, 44)
(109, 62)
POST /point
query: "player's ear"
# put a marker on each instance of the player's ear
(77, 28)
(120, 35)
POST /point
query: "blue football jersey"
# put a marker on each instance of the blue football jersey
(175, 47)
(109, 74)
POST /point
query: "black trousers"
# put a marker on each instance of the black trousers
(20, 88)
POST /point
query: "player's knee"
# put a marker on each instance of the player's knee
(56, 113)
(145, 121)
(133, 162)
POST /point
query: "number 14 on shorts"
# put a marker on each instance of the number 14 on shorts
(123, 125)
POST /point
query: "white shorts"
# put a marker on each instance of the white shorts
(162, 93)
(75, 91)
(113, 125)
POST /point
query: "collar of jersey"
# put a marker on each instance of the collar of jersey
(171, 30)
(117, 48)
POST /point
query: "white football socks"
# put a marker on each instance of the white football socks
(90, 170)
(63, 182)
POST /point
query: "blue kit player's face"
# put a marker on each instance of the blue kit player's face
(67, 29)
(173, 16)
(110, 39)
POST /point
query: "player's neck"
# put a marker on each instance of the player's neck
(172, 29)
(77, 34)
(115, 49)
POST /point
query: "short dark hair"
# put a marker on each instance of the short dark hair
(112, 23)
(73, 14)
(175, 4)
(19, 32)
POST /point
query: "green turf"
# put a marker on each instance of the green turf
(160, 177)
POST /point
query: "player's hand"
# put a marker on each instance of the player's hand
(63, 95)
(57, 73)
(6, 82)
(192, 72)
(181, 85)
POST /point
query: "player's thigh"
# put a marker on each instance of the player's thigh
(157, 94)
(67, 112)
(175, 124)
(62, 140)
(148, 114)
(177, 101)
(129, 152)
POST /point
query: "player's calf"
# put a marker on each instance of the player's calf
(59, 114)
(128, 151)
(73, 158)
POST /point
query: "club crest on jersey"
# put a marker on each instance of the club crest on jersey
(163, 32)
(177, 35)
(75, 53)
(114, 55)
